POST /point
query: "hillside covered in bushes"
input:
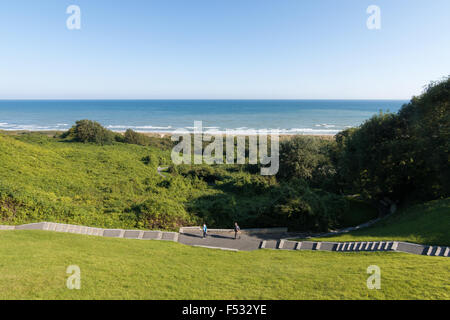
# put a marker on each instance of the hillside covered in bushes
(46, 178)
(92, 176)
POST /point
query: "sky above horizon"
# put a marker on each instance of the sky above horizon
(222, 49)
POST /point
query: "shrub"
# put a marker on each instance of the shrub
(306, 158)
(301, 208)
(134, 137)
(161, 213)
(206, 173)
(151, 160)
(90, 131)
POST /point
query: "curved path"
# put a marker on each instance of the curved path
(277, 241)
(224, 239)
(159, 170)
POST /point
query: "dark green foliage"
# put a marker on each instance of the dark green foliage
(208, 173)
(307, 158)
(371, 159)
(118, 186)
(161, 213)
(394, 155)
(400, 156)
(300, 157)
(151, 160)
(141, 139)
(262, 201)
(427, 122)
(90, 131)
(302, 208)
(134, 137)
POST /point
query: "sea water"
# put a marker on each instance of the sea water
(288, 116)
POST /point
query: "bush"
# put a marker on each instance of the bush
(301, 208)
(90, 131)
(134, 137)
(306, 158)
(151, 160)
(207, 173)
(159, 213)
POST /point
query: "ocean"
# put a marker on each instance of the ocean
(322, 117)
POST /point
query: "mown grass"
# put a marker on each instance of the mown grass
(427, 223)
(33, 266)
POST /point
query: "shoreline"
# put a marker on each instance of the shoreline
(165, 134)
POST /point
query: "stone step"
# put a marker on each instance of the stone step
(446, 251)
(438, 251)
(263, 244)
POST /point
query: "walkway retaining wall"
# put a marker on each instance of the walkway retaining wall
(283, 244)
(369, 246)
(244, 231)
(112, 233)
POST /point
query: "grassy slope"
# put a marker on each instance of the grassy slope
(48, 179)
(77, 183)
(427, 223)
(33, 266)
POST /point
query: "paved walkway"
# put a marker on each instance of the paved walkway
(278, 241)
(226, 239)
(246, 241)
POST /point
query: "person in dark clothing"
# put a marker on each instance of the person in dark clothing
(236, 230)
(205, 230)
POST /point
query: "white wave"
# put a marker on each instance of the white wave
(325, 125)
(212, 130)
(234, 131)
(138, 127)
(293, 131)
(13, 127)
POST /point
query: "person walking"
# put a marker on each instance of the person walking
(236, 230)
(205, 230)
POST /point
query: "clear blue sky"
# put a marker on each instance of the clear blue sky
(230, 49)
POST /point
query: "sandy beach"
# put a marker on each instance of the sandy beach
(161, 135)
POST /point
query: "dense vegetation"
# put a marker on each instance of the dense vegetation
(90, 131)
(398, 158)
(91, 175)
(117, 185)
(402, 156)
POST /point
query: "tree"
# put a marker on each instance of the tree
(403, 155)
(134, 137)
(90, 131)
(306, 158)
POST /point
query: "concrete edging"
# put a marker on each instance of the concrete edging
(282, 244)
(244, 231)
(365, 246)
(91, 231)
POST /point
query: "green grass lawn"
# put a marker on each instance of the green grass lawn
(427, 223)
(33, 266)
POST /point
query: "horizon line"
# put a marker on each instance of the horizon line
(199, 99)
